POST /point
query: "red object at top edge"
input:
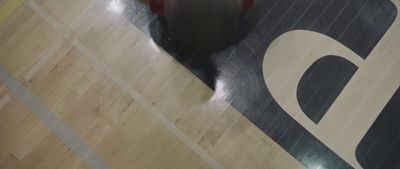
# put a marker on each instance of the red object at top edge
(157, 6)
(246, 4)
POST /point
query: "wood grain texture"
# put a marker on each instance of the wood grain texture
(96, 102)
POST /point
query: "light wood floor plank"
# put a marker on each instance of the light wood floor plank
(97, 103)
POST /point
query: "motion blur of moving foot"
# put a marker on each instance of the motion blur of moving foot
(202, 26)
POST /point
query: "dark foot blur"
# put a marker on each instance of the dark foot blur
(207, 73)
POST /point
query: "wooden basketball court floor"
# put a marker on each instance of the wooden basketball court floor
(83, 87)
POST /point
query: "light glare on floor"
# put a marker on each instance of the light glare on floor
(116, 6)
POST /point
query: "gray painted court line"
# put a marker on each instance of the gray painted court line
(124, 85)
(147, 105)
(57, 126)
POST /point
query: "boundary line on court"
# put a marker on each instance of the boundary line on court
(57, 126)
(147, 105)
(127, 88)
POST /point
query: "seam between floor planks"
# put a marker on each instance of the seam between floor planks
(124, 85)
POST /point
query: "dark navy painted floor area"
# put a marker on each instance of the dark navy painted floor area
(358, 24)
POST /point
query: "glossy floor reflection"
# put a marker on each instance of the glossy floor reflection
(359, 25)
(81, 87)
(85, 84)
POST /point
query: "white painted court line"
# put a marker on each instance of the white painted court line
(44, 57)
(35, 7)
(147, 105)
(57, 126)
(127, 88)
(4, 101)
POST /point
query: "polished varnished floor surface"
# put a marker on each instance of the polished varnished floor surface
(81, 87)
(100, 84)
(321, 78)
